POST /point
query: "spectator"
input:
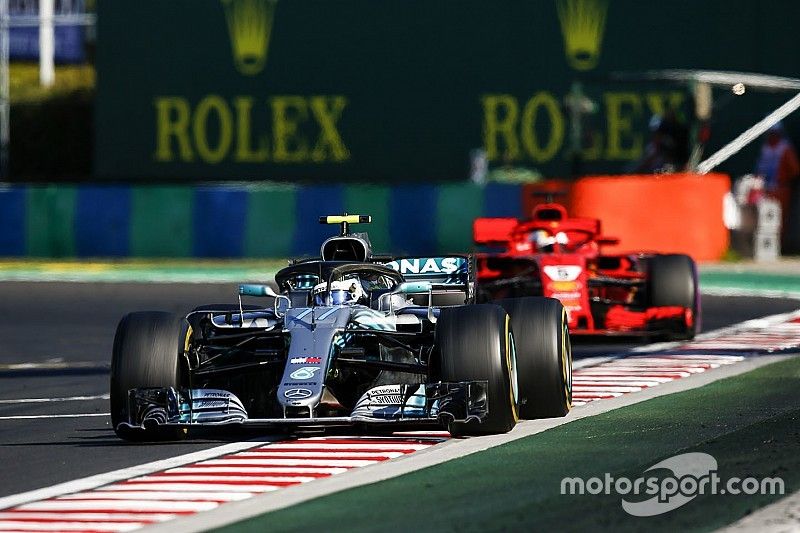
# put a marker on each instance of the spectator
(778, 165)
(668, 149)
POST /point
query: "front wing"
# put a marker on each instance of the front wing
(428, 403)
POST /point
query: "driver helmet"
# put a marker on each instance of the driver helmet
(546, 242)
(346, 291)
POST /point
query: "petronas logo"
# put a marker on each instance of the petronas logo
(250, 27)
(583, 23)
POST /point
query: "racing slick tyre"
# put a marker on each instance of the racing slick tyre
(476, 344)
(672, 282)
(147, 348)
(544, 356)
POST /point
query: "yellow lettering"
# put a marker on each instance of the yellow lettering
(497, 124)
(199, 125)
(658, 103)
(621, 109)
(329, 138)
(244, 150)
(287, 113)
(528, 127)
(172, 120)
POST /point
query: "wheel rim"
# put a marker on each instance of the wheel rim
(511, 362)
(512, 370)
(566, 360)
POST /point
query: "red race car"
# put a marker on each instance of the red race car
(552, 254)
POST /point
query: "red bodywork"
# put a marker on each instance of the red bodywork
(602, 293)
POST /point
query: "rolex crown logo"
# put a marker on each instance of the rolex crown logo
(249, 27)
(582, 25)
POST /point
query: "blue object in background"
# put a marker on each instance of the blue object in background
(311, 203)
(102, 221)
(412, 219)
(24, 44)
(218, 219)
(12, 222)
(501, 200)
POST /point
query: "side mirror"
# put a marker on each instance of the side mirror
(251, 289)
(282, 305)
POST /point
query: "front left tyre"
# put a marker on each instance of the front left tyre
(147, 353)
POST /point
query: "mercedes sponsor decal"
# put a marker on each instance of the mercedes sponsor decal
(297, 394)
(306, 372)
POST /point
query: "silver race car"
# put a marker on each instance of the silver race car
(349, 338)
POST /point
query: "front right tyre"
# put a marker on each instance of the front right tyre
(544, 355)
(476, 343)
(147, 353)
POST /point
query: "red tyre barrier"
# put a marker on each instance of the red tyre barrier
(670, 213)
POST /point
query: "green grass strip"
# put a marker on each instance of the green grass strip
(749, 423)
(750, 280)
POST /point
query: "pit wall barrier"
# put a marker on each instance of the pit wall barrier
(247, 221)
(669, 213)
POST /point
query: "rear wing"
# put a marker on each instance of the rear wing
(450, 280)
(493, 230)
(450, 270)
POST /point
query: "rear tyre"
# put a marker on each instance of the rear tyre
(672, 282)
(476, 344)
(147, 353)
(544, 356)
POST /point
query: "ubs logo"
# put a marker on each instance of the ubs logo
(583, 23)
(249, 29)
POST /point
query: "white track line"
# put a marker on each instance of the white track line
(34, 417)
(323, 446)
(8, 526)
(244, 461)
(89, 517)
(196, 476)
(122, 505)
(48, 400)
(161, 495)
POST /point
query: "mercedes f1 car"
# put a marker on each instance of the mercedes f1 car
(553, 255)
(350, 339)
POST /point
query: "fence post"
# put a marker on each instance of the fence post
(46, 44)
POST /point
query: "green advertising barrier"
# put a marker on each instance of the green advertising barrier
(405, 90)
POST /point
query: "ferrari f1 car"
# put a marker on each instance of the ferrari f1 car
(349, 339)
(557, 256)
